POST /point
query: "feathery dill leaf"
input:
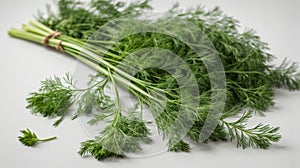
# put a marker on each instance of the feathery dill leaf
(80, 20)
(29, 138)
(53, 99)
(286, 75)
(125, 135)
(260, 136)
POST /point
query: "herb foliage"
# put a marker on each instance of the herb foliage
(250, 78)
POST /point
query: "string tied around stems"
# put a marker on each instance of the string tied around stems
(52, 36)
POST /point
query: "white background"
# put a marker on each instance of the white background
(23, 65)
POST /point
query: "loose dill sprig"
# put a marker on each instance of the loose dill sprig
(29, 138)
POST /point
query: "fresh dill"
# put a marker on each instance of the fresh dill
(250, 77)
(29, 138)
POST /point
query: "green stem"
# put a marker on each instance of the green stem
(47, 139)
(116, 90)
(118, 111)
(34, 30)
(25, 35)
(41, 26)
(245, 72)
(119, 78)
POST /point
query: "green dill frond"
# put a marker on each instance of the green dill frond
(260, 136)
(136, 128)
(179, 146)
(53, 99)
(94, 98)
(80, 20)
(94, 148)
(29, 138)
(286, 75)
(124, 135)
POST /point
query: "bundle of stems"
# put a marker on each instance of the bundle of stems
(250, 79)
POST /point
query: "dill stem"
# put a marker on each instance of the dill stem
(119, 78)
(25, 35)
(47, 139)
(118, 111)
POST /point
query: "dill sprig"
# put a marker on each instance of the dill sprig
(29, 138)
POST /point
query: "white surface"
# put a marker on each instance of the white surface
(23, 65)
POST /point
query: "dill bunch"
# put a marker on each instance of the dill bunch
(247, 67)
